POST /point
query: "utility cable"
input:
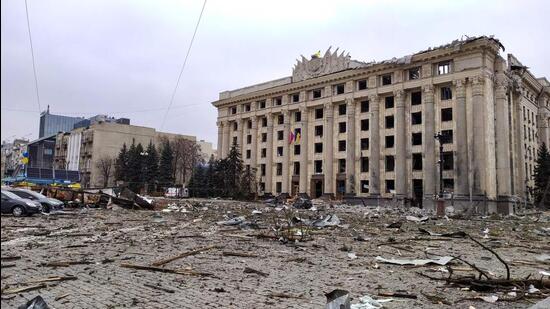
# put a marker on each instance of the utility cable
(183, 66)
(32, 55)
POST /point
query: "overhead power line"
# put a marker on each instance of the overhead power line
(103, 112)
(32, 55)
(183, 66)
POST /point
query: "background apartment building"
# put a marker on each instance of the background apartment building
(349, 128)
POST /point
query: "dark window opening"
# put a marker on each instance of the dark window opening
(390, 163)
(341, 165)
(295, 97)
(278, 101)
(448, 184)
(342, 127)
(318, 113)
(341, 145)
(247, 107)
(414, 73)
(317, 93)
(364, 124)
(280, 119)
(446, 114)
(388, 102)
(279, 169)
(235, 126)
(234, 139)
(249, 124)
(280, 151)
(249, 139)
(447, 136)
(318, 165)
(417, 139)
(298, 116)
(296, 168)
(261, 104)
(264, 137)
(364, 186)
(446, 93)
(417, 161)
(278, 187)
(318, 130)
(416, 118)
(390, 141)
(262, 169)
(263, 152)
(448, 161)
(386, 79)
(364, 144)
(297, 149)
(364, 164)
(362, 84)
(280, 135)
(342, 109)
(390, 185)
(364, 106)
(339, 89)
(264, 122)
(248, 153)
(234, 110)
(318, 147)
(416, 98)
(389, 122)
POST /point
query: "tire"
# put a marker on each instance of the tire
(18, 211)
(46, 208)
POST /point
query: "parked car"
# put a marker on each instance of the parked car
(18, 206)
(48, 203)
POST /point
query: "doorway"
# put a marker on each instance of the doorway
(317, 188)
(418, 193)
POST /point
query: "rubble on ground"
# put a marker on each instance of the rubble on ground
(222, 253)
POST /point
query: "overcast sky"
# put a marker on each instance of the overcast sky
(122, 58)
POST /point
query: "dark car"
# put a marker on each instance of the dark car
(47, 203)
(18, 206)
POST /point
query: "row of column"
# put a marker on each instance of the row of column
(430, 167)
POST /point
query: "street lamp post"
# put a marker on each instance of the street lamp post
(146, 183)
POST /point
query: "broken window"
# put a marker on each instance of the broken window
(317, 93)
(280, 135)
(446, 114)
(416, 98)
(318, 166)
(388, 102)
(318, 130)
(342, 127)
(235, 126)
(264, 137)
(417, 161)
(339, 89)
(296, 168)
(341, 165)
(342, 109)
(416, 118)
(263, 152)
(249, 124)
(390, 141)
(297, 116)
(318, 147)
(364, 144)
(247, 107)
(278, 187)
(262, 169)
(447, 136)
(295, 97)
(234, 140)
(233, 109)
(279, 169)
(364, 164)
(446, 93)
(341, 145)
(443, 68)
(318, 113)
(278, 101)
(364, 124)
(261, 104)
(414, 73)
(248, 153)
(390, 163)
(364, 186)
(362, 84)
(364, 106)
(280, 119)
(386, 79)
(297, 131)
(448, 162)
(297, 150)
(249, 139)
(280, 151)
(264, 122)
(417, 139)
(389, 122)
(390, 186)
(448, 184)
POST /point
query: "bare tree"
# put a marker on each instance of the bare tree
(187, 154)
(105, 165)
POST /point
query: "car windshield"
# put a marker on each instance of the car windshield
(10, 195)
(30, 192)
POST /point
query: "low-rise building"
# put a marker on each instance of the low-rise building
(11, 155)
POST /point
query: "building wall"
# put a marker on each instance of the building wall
(488, 141)
(52, 124)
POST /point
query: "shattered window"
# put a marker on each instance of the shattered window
(416, 98)
(390, 141)
(280, 135)
(364, 164)
(388, 102)
(417, 161)
(297, 149)
(341, 145)
(263, 152)
(446, 93)
(417, 139)
(390, 163)
(386, 79)
(297, 116)
(318, 166)
(279, 169)
(280, 151)
(295, 97)
(389, 122)
(317, 93)
(364, 144)
(414, 73)
(342, 109)
(281, 119)
(278, 101)
(339, 89)
(248, 153)
(362, 84)
(341, 165)
(264, 137)
(390, 186)
(262, 169)
(448, 161)
(416, 118)
(447, 136)
(364, 106)
(318, 113)
(318, 130)
(342, 127)
(249, 139)
(318, 147)
(296, 168)
(364, 186)
(448, 184)
(364, 124)
(446, 114)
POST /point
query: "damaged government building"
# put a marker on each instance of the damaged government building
(345, 128)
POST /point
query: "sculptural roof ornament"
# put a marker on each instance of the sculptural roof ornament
(317, 65)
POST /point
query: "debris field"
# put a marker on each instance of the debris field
(199, 253)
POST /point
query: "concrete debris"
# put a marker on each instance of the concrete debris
(367, 302)
(302, 203)
(416, 219)
(338, 299)
(417, 262)
(36, 303)
(489, 299)
(543, 304)
(329, 220)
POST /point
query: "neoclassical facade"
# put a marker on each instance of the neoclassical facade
(344, 128)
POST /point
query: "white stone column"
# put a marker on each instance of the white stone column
(304, 150)
(329, 150)
(401, 145)
(479, 135)
(220, 138)
(462, 186)
(269, 155)
(350, 148)
(286, 152)
(374, 160)
(226, 146)
(429, 163)
(504, 181)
